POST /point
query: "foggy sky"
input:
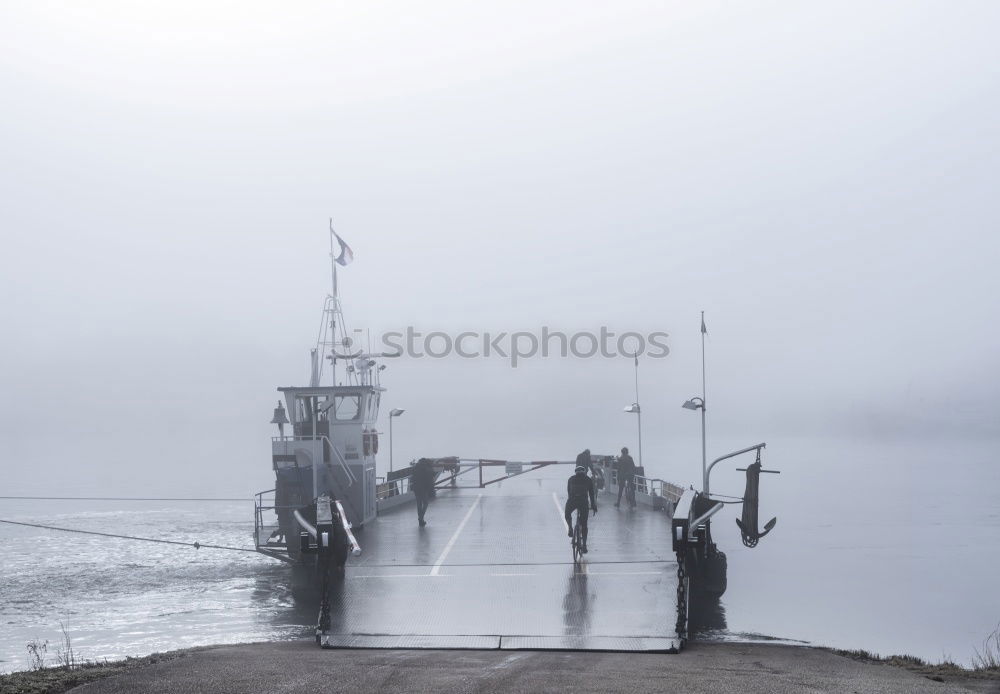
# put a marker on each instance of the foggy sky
(819, 178)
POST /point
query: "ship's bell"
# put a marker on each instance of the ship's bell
(280, 418)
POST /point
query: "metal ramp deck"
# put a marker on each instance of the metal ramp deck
(493, 569)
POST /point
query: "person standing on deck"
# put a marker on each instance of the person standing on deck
(580, 490)
(626, 478)
(422, 484)
(586, 461)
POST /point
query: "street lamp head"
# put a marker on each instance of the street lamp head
(634, 407)
(694, 404)
(396, 413)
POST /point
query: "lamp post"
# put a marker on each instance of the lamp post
(634, 407)
(392, 414)
(697, 403)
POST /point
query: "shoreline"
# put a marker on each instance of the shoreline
(708, 666)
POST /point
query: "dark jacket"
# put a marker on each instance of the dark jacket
(626, 467)
(422, 480)
(584, 459)
(579, 488)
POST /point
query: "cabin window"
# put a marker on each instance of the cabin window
(346, 407)
(303, 410)
(323, 407)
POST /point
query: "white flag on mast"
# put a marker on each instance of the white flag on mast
(346, 254)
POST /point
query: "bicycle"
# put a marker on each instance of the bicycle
(577, 542)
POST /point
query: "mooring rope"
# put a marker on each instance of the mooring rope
(125, 498)
(199, 545)
(196, 545)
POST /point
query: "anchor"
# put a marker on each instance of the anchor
(748, 525)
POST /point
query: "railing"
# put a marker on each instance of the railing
(650, 486)
(654, 486)
(447, 471)
(396, 487)
(258, 514)
(262, 505)
(351, 479)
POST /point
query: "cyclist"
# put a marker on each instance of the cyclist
(580, 490)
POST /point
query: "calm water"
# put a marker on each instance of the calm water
(889, 548)
(118, 597)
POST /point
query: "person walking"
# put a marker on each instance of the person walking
(422, 484)
(595, 471)
(626, 478)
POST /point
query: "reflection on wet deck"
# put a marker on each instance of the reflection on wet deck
(493, 569)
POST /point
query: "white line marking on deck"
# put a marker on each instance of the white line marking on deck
(625, 573)
(451, 543)
(512, 574)
(400, 576)
(560, 511)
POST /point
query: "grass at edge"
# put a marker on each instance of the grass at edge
(934, 671)
(55, 680)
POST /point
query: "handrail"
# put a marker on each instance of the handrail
(306, 525)
(703, 518)
(708, 472)
(342, 461)
(355, 547)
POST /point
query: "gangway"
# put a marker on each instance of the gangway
(493, 567)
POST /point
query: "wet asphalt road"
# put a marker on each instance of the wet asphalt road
(303, 668)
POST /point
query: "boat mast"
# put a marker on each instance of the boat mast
(704, 406)
(335, 308)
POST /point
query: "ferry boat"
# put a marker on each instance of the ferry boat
(324, 461)
(326, 489)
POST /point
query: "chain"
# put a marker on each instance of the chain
(323, 623)
(682, 617)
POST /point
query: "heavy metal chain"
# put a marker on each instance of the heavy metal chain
(323, 623)
(682, 617)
